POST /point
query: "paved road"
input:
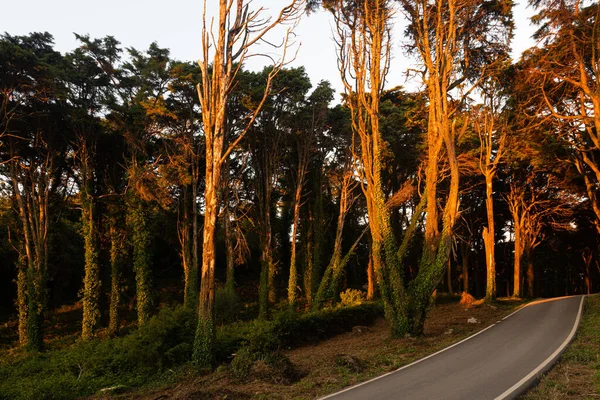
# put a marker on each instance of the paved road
(497, 363)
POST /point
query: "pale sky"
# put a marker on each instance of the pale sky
(175, 24)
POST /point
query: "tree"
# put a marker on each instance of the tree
(563, 76)
(492, 130)
(534, 202)
(458, 43)
(237, 29)
(87, 90)
(183, 147)
(33, 148)
(363, 61)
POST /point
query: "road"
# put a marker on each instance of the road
(499, 362)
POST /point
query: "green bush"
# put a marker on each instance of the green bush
(293, 330)
(166, 342)
(86, 367)
(227, 306)
(352, 297)
(241, 366)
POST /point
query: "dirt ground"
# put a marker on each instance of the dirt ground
(339, 362)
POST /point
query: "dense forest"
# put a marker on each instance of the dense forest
(131, 181)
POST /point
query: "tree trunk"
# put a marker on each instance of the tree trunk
(91, 282)
(204, 341)
(33, 213)
(115, 276)
(22, 299)
(267, 289)
(449, 276)
(137, 220)
(517, 260)
(317, 239)
(307, 273)
(587, 260)
(488, 239)
(530, 273)
(293, 281)
(327, 289)
(229, 256)
(188, 238)
(465, 266)
(370, 279)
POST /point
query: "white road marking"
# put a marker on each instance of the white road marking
(421, 359)
(548, 360)
(509, 391)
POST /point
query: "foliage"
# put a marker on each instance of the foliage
(137, 220)
(352, 297)
(164, 342)
(227, 305)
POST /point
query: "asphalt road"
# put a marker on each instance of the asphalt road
(499, 362)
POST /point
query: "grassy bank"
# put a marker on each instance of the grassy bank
(577, 373)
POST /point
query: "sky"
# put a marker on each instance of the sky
(176, 24)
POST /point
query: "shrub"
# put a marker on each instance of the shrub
(293, 330)
(166, 341)
(241, 366)
(227, 305)
(86, 367)
(352, 297)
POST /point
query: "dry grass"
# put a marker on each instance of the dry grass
(342, 361)
(577, 374)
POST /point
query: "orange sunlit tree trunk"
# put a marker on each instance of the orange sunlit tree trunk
(491, 131)
(458, 42)
(225, 45)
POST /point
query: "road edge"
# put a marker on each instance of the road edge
(426, 357)
(531, 379)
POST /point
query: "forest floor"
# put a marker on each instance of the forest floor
(333, 364)
(576, 376)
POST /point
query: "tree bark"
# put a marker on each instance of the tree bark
(465, 266)
(370, 279)
(22, 299)
(587, 260)
(488, 239)
(267, 289)
(142, 259)
(31, 187)
(116, 261)
(530, 273)
(517, 260)
(293, 280)
(92, 283)
(205, 331)
(229, 254)
(449, 276)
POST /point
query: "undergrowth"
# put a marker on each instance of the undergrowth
(164, 344)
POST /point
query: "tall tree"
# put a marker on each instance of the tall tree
(562, 75)
(491, 130)
(458, 43)
(223, 52)
(87, 90)
(33, 149)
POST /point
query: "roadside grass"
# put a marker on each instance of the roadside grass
(332, 364)
(577, 374)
